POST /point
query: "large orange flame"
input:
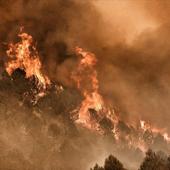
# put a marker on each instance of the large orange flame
(93, 108)
(92, 99)
(23, 55)
(86, 79)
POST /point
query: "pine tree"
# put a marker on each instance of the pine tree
(111, 163)
(153, 161)
(97, 167)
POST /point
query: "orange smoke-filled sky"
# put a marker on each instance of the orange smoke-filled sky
(128, 17)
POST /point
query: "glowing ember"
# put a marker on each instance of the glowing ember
(144, 125)
(166, 137)
(23, 55)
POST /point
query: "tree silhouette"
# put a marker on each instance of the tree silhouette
(111, 163)
(97, 167)
(168, 163)
(153, 161)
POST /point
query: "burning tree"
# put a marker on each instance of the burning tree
(23, 55)
(93, 108)
(93, 112)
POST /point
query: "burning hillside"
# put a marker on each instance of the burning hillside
(93, 112)
(78, 83)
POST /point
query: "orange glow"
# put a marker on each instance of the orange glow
(146, 126)
(93, 109)
(87, 74)
(23, 55)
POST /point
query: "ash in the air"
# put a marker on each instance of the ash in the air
(133, 73)
(43, 135)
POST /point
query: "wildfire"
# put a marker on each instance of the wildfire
(166, 136)
(87, 82)
(93, 111)
(23, 55)
(147, 127)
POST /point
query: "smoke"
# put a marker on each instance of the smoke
(57, 26)
(131, 42)
(135, 70)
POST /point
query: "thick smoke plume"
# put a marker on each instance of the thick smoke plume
(138, 65)
(57, 26)
(131, 41)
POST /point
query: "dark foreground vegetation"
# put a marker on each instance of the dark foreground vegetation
(152, 161)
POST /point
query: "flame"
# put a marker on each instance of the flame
(144, 126)
(166, 137)
(23, 55)
(154, 130)
(140, 136)
(93, 109)
(86, 74)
